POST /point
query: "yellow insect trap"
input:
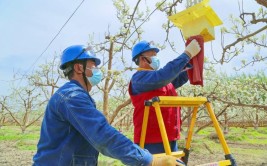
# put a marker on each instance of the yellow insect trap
(199, 19)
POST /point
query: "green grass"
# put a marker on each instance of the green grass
(26, 145)
(235, 137)
(206, 131)
(239, 135)
(23, 141)
(249, 135)
(243, 141)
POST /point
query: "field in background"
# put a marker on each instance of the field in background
(248, 146)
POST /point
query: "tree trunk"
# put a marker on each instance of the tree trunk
(23, 129)
(108, 78)
(225, 128)
(256, 123)
(188, 114)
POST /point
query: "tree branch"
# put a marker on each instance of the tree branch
(252, 62)
(228, 47)
(35, 120)
(121, 106)
(11, 114)
(121, 118)
(132, 17)
(217, 115)
(262, 2)
(254, 20)
(241, 104)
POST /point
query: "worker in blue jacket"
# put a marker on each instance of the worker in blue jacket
(73, 131)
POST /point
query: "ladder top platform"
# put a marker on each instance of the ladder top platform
(179, 101)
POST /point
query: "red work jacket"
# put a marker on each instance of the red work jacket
(171, 116)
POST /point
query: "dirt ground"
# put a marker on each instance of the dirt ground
(11, 156)
(244, 155)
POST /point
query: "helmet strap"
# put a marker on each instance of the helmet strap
(84, 76)
(146, 60)
(67, 70)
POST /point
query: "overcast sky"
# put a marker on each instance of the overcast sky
(27, 27)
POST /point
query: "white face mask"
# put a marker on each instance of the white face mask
(96, 77)
(155, 63)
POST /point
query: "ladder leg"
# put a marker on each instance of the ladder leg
(226, 149)
(190, 132)
(217, 128)
(144, 127)
(189, 135)
(162, 129)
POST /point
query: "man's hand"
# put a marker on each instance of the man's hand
(192, 49)
(166, 161)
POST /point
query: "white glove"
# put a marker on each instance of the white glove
(166, 161)
(192, 48)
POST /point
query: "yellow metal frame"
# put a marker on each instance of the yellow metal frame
(195, 102)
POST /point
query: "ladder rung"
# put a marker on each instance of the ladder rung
(181, 101)
(219, 163)
(182, 105)
(175, 154)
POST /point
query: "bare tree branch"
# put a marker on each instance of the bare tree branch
(11, 114)
(122, 117)
(217, 115)
(262, 2)
(228, 47)
(258, 44)
(254, 20)
(124, 104)
(252, 62)
(108, 78)
(241, 104)
(132, 18)
(35, 120)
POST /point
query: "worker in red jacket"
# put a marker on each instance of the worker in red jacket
(150, 81)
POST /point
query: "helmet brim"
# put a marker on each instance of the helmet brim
(97, 61)
(149, 49)
(153, 48)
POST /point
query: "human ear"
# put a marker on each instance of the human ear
(78, 68)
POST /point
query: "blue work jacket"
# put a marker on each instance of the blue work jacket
(173, 72)
(73, 133)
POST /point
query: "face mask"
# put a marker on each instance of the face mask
(155, 63)
(96, 77)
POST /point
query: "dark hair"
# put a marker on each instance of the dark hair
(69, 72)
(136, 59)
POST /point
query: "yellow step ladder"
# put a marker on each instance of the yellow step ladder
(196, 102)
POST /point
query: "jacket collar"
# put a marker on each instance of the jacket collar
(77, 83)
(140, 69)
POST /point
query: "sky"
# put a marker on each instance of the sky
(27, 27)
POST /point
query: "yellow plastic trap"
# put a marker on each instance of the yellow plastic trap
(199, 19)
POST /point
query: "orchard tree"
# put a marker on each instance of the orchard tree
(46, 77)
(248, 31)
(115, 64)
(131, 19)
(3, 111)
(231, 95)
(23, 106)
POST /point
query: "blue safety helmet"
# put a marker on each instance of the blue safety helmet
(141, 47)
(77, 52)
